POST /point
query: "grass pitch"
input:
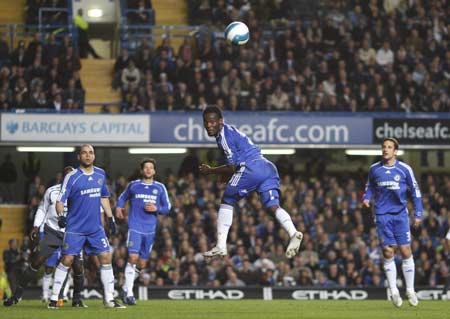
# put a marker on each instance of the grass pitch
(245, 309)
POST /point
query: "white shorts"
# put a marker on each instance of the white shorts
(448, 235)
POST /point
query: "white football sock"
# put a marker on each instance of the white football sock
(130, 271)
(285, 220)
(66, 286)
(46, 280)
(224, 221)
(60, 276)
(391, 274)
(107, 276)
(409, 272)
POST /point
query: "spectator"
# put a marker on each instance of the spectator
(279, 100)
(385, 55)
(141, 15)
(189, 165)
(56, 103)
(234, 281)
(130, 76)
(366, 54)
(4, 51)
(12, 259)
(73, 93)
(8, 177)
(84, 46)
(30, 168)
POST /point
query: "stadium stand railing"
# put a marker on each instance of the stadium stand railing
(45, 28)
(132, 34)
(15, 32)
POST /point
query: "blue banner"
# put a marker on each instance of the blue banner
(265, 128)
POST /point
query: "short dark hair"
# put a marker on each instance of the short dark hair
(213, 109)
(148, 160)
(78, 149)
(393, 140)
(67, 170)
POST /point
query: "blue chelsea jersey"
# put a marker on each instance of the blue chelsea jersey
(236, 146)
(139, 194)
(82, 193)
(389, 184)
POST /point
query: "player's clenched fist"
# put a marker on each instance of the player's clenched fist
(204, 169)
(150, 208)
(119, 213)
(34, 233)
(366, 203)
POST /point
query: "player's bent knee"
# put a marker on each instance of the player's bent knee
(67, 260)
(388, 252)
(142, 263)
(133, 258)
(272, 209)
(405, 251)
(104, 258)
(270, 198)
(49, 270)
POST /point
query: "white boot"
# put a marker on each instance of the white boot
(294, 245)
(396, 299)
(216, 251)
(412, 298)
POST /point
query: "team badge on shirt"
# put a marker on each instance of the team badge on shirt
(130, 243)
(100, 181)
(396, 177)
(155, 191)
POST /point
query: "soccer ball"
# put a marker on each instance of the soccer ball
(237, 33)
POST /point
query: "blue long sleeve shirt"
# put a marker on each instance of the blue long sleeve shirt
(139, 194)
(389, 185)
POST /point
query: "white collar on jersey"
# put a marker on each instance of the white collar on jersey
(391, 167)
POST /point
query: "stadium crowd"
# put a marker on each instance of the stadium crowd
(139, 11)
(340, 246)
(361, 56)
(41, 75)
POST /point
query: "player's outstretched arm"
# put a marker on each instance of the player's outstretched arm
(224, 170)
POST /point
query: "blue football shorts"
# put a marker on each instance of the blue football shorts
(393, 229)
(140, 243)
(258, 175)
(93, 244)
